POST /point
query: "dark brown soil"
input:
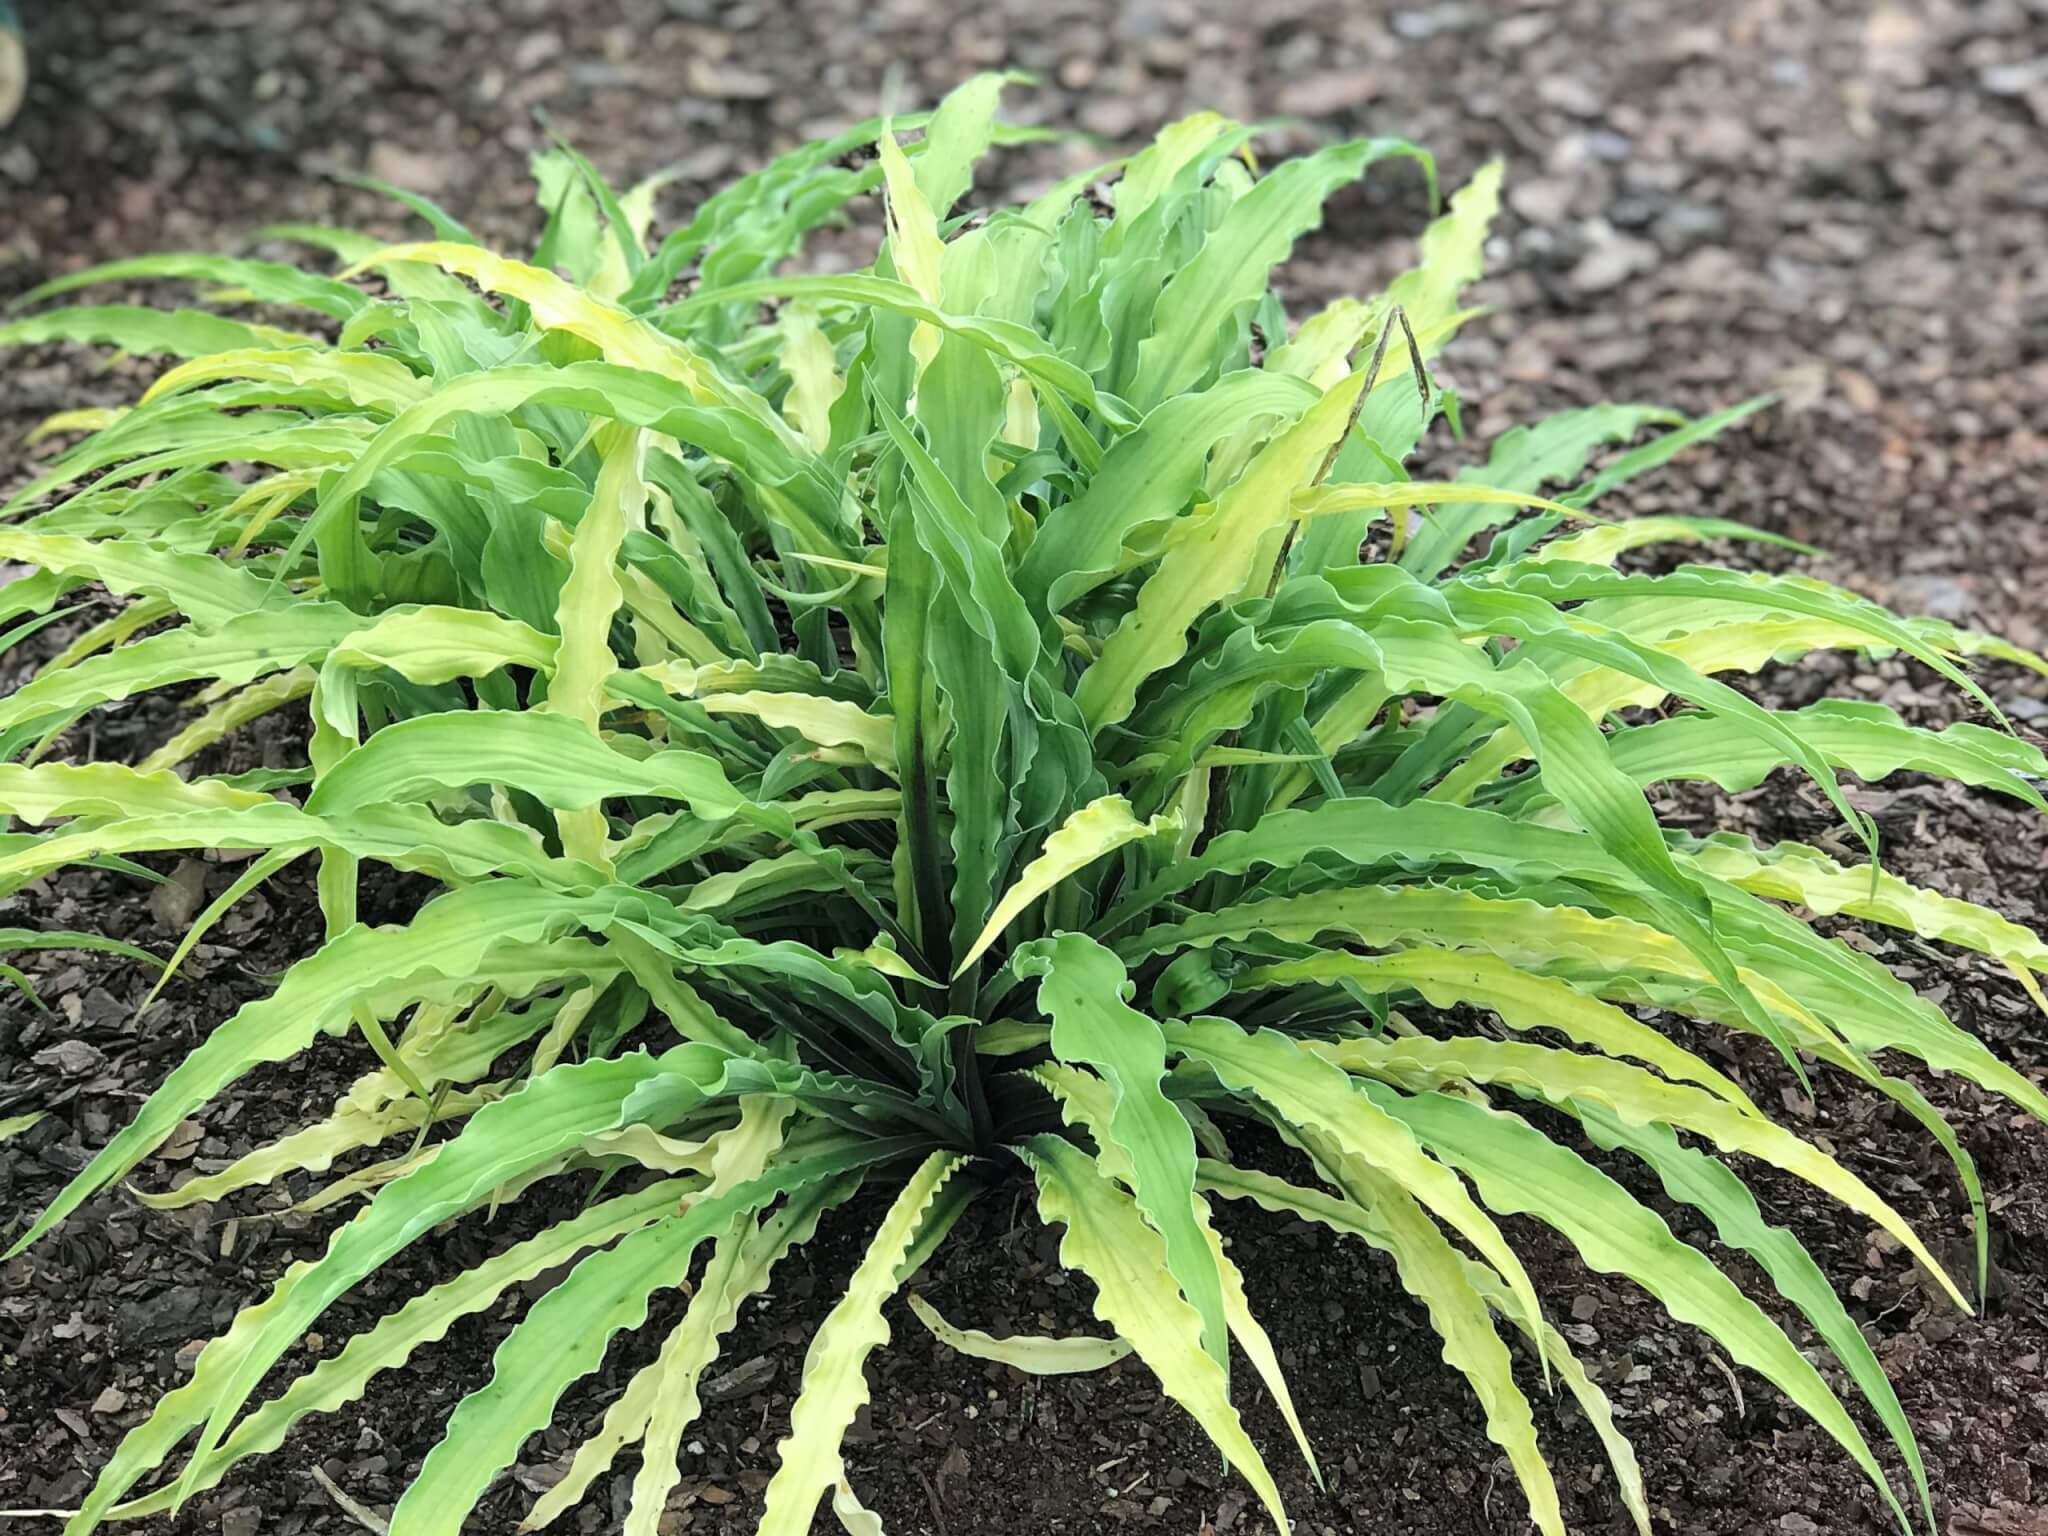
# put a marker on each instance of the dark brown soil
(1840, 201)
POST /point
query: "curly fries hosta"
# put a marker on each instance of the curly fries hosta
(949, 723)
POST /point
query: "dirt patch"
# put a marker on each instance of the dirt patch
(1840, 203)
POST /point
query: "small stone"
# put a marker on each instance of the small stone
(241, 1522)
(1571, 95)
(409, 168)
(1859, 390)
(1114, 117)
(182, 1142)
(1542, 200)
(74, 1058)
(1688, 224)
(2016, 1480)
(1334, 90)
(178, 900)
(1611, 262)
(748, 1376)
(110, 1400)
(2016, 79)
(724, 84)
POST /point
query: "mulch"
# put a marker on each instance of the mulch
(1840, 203)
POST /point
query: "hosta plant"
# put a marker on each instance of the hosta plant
(1005, 715)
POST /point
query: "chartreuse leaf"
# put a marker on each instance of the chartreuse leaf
(661, 1401)
(1003, 339)
(958, 135)
(1518, 1170)
(228, 715)
(1365, 831)
(442, 1048)
(315, 1148)
(51, 790)
(1593, 1402)
(136, 328)
(819, 719)
(1229, 272)
(371, 380)
(238, 651)
(90, 418)
(559, 305)
(1108, 1240)
(64, 938)
(1796, 873)
(1451, 252)
(1211, 557)
(1251, 1336)
(1712, 1189)
(552, 1114)
(1316, 1095)
(1526, 457)
(739, 1269)
(1330, 500)
(437, 645)
(1432, 1270)
(1603, 545)
(208, 591)
(1866, 738)
(116, 630)
(814, 380)
(564, 1334)
(1560, 581)
(1082, 987)
(1565, 1077)
(834, 1380)
(915, 249)
(338, 1380)
(1085, 1101)
(625, 1422)
(1147, 477)
(1033, 1354)
(1341, 1215)
(189, 435)
(1660, 449)
(270, 281)
(554, 758)
(583, 617)
(405, 837)
(1100, 827)
(1427, 657)
(1523, 1000)
(1629, 961)
(503, 930)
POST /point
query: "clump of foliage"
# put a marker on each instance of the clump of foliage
(958, 721)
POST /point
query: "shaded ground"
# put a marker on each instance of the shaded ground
(1839, 202)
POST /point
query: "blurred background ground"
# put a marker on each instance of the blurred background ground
(1842, 202)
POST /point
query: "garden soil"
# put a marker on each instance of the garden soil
(1839, 202)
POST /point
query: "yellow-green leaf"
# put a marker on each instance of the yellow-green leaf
(1034, 1354)
(834, 1380)
(1108, 1241)
(1099, 827)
